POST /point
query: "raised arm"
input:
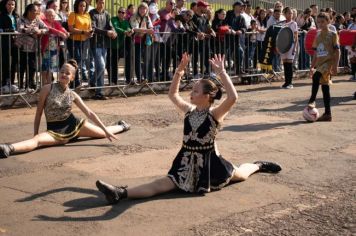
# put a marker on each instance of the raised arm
(220, 111)
(174, 88)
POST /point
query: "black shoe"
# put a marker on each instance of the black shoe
(269, 167)
(6, 150)
(124, 124)
(100, 97)
(112, 193)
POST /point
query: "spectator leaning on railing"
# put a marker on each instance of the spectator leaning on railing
(201, 47)
(143, 28)
(166, 25)
(80, 27)
(50, 46)
(120, 47)
(32, 29)
(238, 25)
(261, 28)
(222, 29)
(100, 42)
(8, 23)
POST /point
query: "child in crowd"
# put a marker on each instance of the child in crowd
(288, 57)
(325, 61)
(252, 44)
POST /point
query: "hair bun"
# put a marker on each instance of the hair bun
(73, 63)
(218, 94)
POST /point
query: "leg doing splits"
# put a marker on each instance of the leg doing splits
(114, 194)
(45, 139)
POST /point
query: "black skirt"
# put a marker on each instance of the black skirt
(200, 171)
(66, 129)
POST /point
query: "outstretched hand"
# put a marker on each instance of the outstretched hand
(217, 63)
(111, 136)
(183, 63)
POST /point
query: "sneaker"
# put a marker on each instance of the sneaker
(325, 117)
(112, 193)
(268, 167)
(5, 150)
(14, 89)
(5, 89)
(124, 124)
(30, 91)
(197, 76)
(311, 105)
(284, 85)
(290, 86)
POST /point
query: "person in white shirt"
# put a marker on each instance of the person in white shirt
(288, 57)
(279, 5)
(247, 15)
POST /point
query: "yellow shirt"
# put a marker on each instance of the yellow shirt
(80, 22)
(325, 45)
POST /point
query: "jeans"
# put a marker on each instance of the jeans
(304, 58)
(79, 50)
(143, 62)
(276, 62)
(97, 69)
(28, 67)
(113, 57)
(201, 50)
(251, 54)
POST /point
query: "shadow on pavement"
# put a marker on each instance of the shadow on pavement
(299, 105)
(97, 200)
(261, 126)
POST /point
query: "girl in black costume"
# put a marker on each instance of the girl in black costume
(198, 166)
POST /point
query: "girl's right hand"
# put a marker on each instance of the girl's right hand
(311, 72)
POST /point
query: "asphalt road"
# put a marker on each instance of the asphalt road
(52, 191)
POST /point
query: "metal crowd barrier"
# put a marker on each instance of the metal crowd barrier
(141, 63)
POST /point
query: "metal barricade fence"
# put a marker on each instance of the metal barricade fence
(131, 61)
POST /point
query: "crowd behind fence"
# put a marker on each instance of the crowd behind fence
(32, 55)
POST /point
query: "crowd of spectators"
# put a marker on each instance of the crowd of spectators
(150, 40)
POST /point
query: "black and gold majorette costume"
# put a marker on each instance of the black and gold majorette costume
(198, 167)
(61, 123)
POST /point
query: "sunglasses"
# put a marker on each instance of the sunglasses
(64, 2)
(122, 12)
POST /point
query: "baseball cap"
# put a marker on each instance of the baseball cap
(202, 4)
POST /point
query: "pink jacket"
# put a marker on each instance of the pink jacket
(54, 29)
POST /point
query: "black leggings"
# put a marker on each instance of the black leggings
(288, 73)
(325, 89)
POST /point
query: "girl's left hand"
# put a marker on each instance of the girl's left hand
(111, 136)
(217, 63)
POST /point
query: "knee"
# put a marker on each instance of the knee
(238, 176)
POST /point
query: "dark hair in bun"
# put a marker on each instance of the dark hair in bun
(73, 63)
(209, 87)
